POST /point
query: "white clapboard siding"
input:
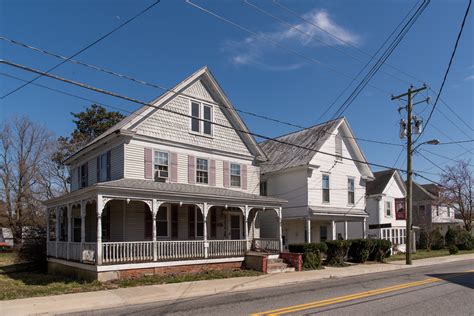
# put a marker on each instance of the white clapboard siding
(182, 168)
(134, 161)
(253, 179)
(174, 127)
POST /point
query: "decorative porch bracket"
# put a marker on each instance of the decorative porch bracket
(204, 207)
(155, 206)
(101, 201)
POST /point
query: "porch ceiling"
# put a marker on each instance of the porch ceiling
(337, 212)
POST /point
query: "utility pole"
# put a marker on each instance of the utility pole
(408, 130)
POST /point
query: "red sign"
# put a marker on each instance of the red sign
(400, 209)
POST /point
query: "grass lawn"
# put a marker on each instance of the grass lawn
(421, 254)
(20, 280)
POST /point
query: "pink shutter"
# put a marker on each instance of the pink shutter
(244, 176)
(191, 170)
(174, 167)
(148, 163)
(212, 173)
(226, 174)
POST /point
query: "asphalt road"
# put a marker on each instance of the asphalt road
(446, 289)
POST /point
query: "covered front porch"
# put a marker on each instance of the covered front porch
(104, 227)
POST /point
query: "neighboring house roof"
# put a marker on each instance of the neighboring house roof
(128, 123)
(432, 188)
(382, 178)
(283, 156)
(421, 194)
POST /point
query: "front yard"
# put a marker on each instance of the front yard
(20, 280)
(422, 254)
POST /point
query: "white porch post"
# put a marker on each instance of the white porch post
(280, 234)
(83, 227)
(345, 230)
(364, 228)
(246, 228)
(333, 230)
(69, 211)
(308, 229)
(205, 209)
(100, 206)
(154, 211)
(47, 226)
(57, 231)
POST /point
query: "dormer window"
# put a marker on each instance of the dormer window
(201, 118)
(161, 166)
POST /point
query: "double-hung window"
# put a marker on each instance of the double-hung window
(202, 171)
(350, 191)
(161, 166)
(388, 208)
(201, 118)
(263, 188)
(326, 188)
(83, 175)
(234, 175)
(103, 167)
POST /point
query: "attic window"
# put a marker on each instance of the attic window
(201, 118)
(338, 140)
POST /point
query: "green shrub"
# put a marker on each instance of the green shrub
(450, 237)
(437, 240)
(423, 240)
(380, 250)
(359, 250)
(312, 260)
(464, 240)
(337, 250)
(453, 250)
(305, 247)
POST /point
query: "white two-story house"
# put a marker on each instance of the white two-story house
(172, 186)
(386, 206)
(323, 180)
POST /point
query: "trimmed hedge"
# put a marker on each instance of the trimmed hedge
(359, 250)
(380, 250)
(453, 250)
(305, 247)
(337, 250)
(464, 240)
(311, 254)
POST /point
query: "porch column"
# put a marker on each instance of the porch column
(83, 227)
(280, 234)
(333, 230)
(154, 211)
(57, 230)
(100, 207)
(206, 244)
(364, 228)
(47, 226)
(69, 210)
(308, 229)
(345, 230)
(246, 228)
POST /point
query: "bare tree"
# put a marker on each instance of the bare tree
(457, 191)
(25, 175)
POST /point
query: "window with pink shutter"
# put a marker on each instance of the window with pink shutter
(226, 174)
(191, 169)
(148, 163)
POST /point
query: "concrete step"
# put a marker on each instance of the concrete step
(276, 260)
(280, 269)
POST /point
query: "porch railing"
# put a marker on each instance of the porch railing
(75, 251)
(51, 248)
(226, 248)
(127, 251)
(62, 249)
(182, 249)
(266, 244)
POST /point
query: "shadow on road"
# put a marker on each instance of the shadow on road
(464, 279)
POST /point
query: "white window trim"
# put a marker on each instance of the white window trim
(354, 191)
(230, 175)
(196, 171)
(201, 118)
(169, 164)
(322, 188)
(168, 219)
(385, 208)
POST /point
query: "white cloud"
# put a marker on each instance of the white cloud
(254, 49)
(471, 77)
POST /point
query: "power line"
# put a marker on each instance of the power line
(442, 156)
(447, 69)
(454, 112)
(277, 43)
(161, 87)
(85, 48)
(430, 161)
(116, 95)
(458, 142)
(385, 55)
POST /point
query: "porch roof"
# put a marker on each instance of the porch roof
(138, 187)
(337, 212)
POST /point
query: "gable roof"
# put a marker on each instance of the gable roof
(282, 156)
(126, 125)
(421, 194)
(382, 178)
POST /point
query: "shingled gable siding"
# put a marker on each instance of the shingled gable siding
(148, 163)
(191, 169)
(176, 128)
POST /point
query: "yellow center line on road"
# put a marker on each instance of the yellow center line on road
(350, 297)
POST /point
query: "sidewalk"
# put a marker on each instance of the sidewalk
(169, 292)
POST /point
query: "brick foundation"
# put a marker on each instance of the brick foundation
(293, 259)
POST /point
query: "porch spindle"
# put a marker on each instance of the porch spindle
(154, 211)
(280, 234)
(206, 244)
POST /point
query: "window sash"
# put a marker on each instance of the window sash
(162, 163)
(350, 191)
(195, 113)
(388, 208)
(326, 194)
(235, 175)
(201, 118)
(207, 117)
(202, 170)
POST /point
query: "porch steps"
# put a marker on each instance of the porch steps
(276, 265)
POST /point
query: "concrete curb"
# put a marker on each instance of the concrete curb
(172, 292)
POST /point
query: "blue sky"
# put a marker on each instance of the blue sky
(174, 39)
